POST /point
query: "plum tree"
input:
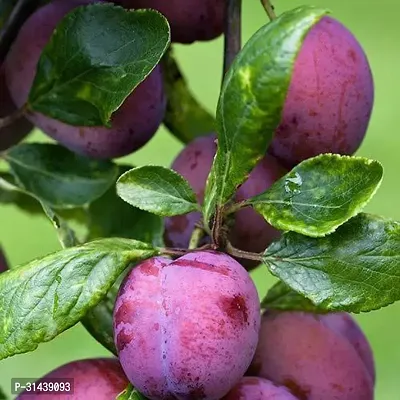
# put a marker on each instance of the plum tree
(254, 388)
(250, 232)
(133, 124)
(186, 328)
(190, 20)
(312, 355)
(330, 97)
(18, 130)
(100, 378)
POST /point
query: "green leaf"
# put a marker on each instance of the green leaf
(252, 100)
(99, 320)
(45, 297)
(185, 117)
(3, 395)
(130, 393)
(110, 216)
(281, 297)
(320, 194)
(158, 190)
(108, 51)
(65, 234)
(355, 269)
(59, 177)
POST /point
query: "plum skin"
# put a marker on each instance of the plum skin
(190, 20)
(132, 125)
(18, 130)
(313, 356)
(188, 328)
(100, 379)
(250, 231)
(330, 98)
(254, 388)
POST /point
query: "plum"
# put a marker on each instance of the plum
(188, 328)
(254, 388)
(330, 98)
(190, 20)
(18, 130)
(133, 124)
(100, 379)
(250, 232)
(315, 361)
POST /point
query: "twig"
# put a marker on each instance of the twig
(22, 10)
(233, 251)
(9, 119)
(269, 8)
(233, 32)
(197, 235)
(173, 251)
(235, 207)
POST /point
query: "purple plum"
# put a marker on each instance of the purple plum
(3, 261)
(190, 20)
(100, 379)
(250, 232)
(330, 98)
(188, 328)
(133, 124)
(18, 130)
(312, 356)
(254, 388)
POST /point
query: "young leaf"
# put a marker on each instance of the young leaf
(158, 190)
(185, 117)
(45, 297)
(320, 194)
(109, 216)
(355, 269)
(281, 297)
(252, 100)
(59, 177)
(94, 60)
(130, 393)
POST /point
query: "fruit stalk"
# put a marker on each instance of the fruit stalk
(10, 119)
(233, 32)
(269, 8)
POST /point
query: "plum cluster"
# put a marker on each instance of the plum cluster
(191, 327)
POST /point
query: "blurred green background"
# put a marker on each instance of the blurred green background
(376, 25)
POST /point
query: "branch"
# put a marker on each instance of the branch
(233, 251)
(233, 32)
(10, 119)
(269, 8)
(20, 13)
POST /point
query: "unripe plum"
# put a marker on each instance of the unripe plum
(250, 231)
(186, 329)
(254, 388)
(18, 130)
(311, 355)
(133, 124)
(100, 379)
(190, 20)
(330, 97)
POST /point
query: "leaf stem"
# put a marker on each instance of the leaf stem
(269, 8)
(173, 251)
(235, 207)
(9, 119)
(233, 31)
(197, 235)
(20, 13)
(243, 254)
